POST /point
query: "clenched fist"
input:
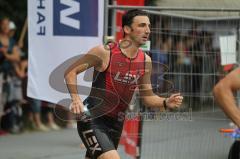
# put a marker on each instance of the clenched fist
(174, 101)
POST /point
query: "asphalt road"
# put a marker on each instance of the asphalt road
(197, 138)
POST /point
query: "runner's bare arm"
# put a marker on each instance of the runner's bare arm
(223, 93)
(148, 97)
(94, 58)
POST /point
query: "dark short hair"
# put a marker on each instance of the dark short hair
(127, 18)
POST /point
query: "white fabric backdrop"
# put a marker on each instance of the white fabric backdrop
(48, 51)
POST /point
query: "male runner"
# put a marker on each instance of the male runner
(223, 93)
(119, 68)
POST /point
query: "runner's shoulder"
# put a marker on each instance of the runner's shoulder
(99, 51)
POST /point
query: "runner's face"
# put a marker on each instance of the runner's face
(140, 30)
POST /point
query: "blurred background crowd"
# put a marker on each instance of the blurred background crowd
(18, 113)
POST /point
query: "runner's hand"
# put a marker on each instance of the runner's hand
(77, 106)
(174, 101)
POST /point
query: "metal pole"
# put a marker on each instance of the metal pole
(113, 30)
(238, 44)
(238, 58)
(105, 31)
(123, 7)
(192, 17)
(142, 108)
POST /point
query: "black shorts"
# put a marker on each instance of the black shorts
(100, 135)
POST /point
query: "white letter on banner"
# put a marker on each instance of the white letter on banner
(74, 7)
